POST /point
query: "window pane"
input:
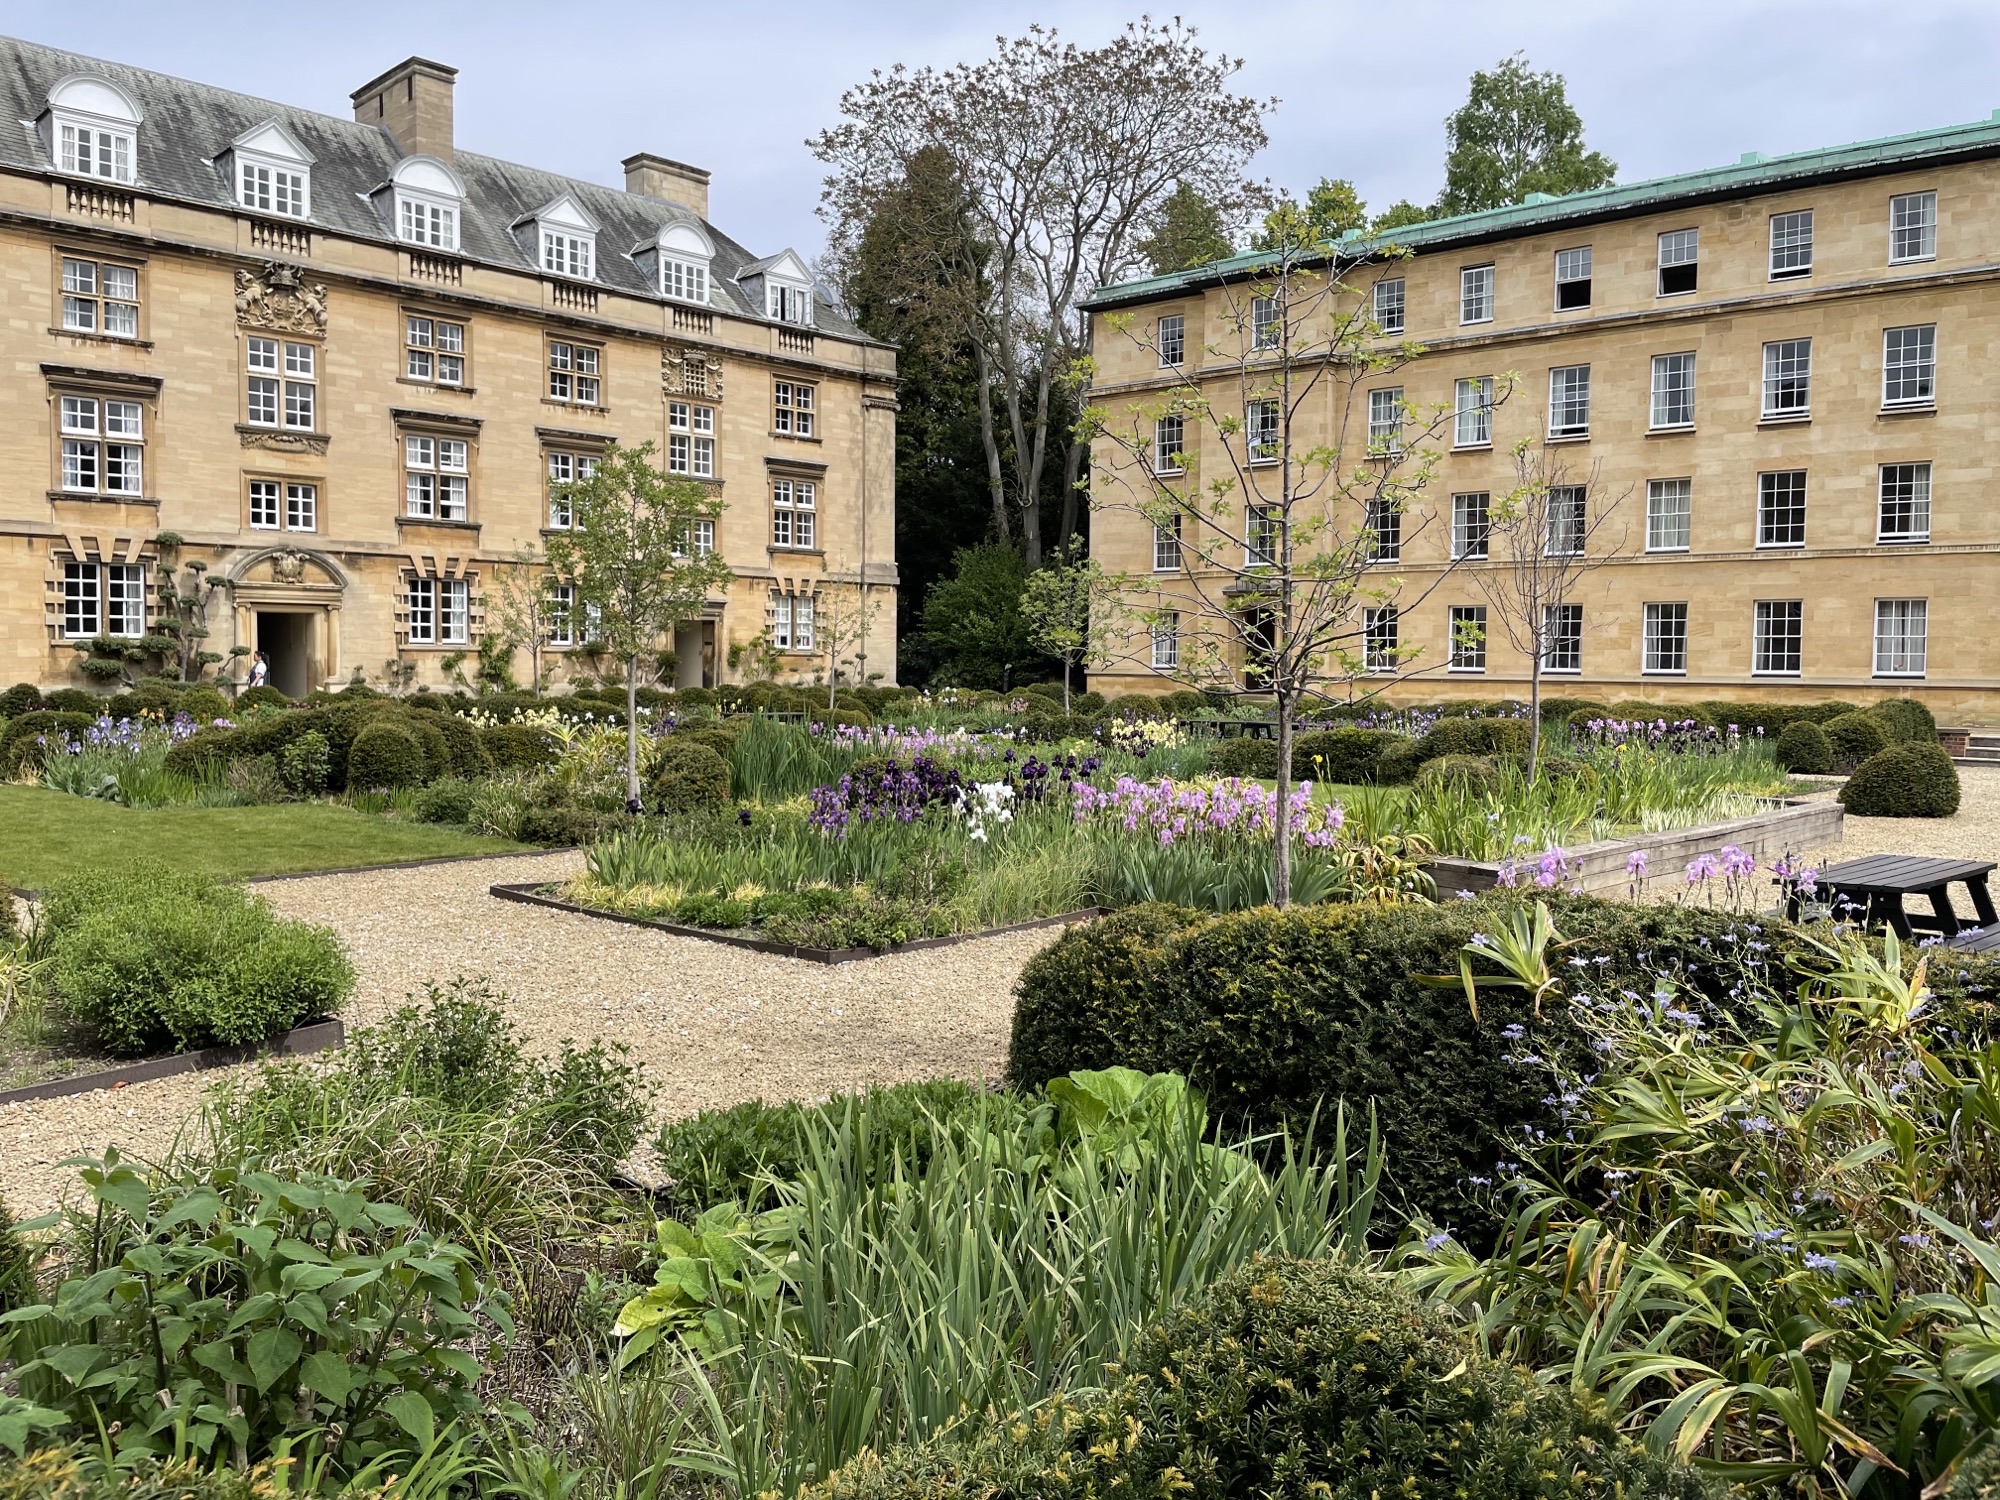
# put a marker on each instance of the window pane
(1791, 244)
(1569, 401)
(1788, 378)
(1562, 638)
(1475, 294)
(1913, 226)
(1474, 412)
(1673, 390)
(1469, 525)
(1781, 509)
(1901, 628)
(1468, 638)
(1172, 340)
(264, 504)
(1389, 304)
(1777, 637)
(1909, 366)
(302, 507)
(1666, 638)
(1905, 503)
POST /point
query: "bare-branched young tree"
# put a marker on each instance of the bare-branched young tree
(842, 618)
(1058, 606)
(1064, 159)
(1542, 539)
(522, 610)
(1282, 476)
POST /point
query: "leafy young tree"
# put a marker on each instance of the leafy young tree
(629, 556)
(1065, 155)
(1263, 468)
(522, 613)
(1401, 212)
(1542, 539)
(842, 618)
(1516, 134)
(1057, 603)
(1331, 209)
(1190, 231)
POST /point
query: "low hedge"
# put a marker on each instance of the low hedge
(1347, 757)
(20, 740)
(1903, 781)
(261, 696)
(1804, 747)
(386, 755)
(1481, 773)
(1290, 1378)
(1481, 736)
(520, 747)
(1854, 737)
(1240, 755)
(687, 777)
(1275, 1013)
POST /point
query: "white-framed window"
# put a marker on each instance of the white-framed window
(83, 599)
(1569, 401)
(438, 612)
(1267, 325)
(96, 151)
(802, 621)
(124, 600)
(1380, 628)
(1167, 546)
(103, 445)
(566, 469)
(1385, 420)
(1468, 638)
(1901, 626)
(1475, 294)
(426, 222)
(1382, 526)
(1777, 637)
(1167, 643)
(1666, 638)
(704, 537)
(1474, 413)
(1169, 437)
(1470, 528)
(1904, 513)
(1669, 514)
(1573, 279)
(574, 373)
(1912, 227)
(1909, 365)
(791, 621)
(1260, 431)
(1673, 391)
(1389, 304)
(567, 253)
(104, 599)
(562, 614)
(792, 408)
(1568, 522)
(1680, 250)
(691, 439)
(436, 477)
(1781, 508)
(793, 512)
(270, 188)
(283, 389)
(1791, 244)
(283, 505)
(787, 303)
(781, 620)
(433, 350)
(265, 504)
(1788, 378)
(684, 280)
(1260, 536)
(301, 507)
(100, 297)
(1172, 340)
(1562, 637)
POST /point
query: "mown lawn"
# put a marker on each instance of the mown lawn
(45, 835)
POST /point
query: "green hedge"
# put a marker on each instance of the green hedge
(261, 697)
(687, 777)
(1804, 747)
(1854, 737)
(21, 698)
(1346, 757)
(1240, 755)
(1903, 781)
(520, 747)
(1272, 1012)
(1482, 736)
(1293, 1378)
(387, 755)
(1907, 720)
(20, 745)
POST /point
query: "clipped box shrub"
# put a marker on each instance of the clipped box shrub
(1478, 772)
(386, 755)
(466, 756)
(1087, 703)
(1907, 720)
(21, 698)
(1482, 736)
(261, 697)
(446, 801)
(1854, 737)
(74, 701)
(203, 702)
(424, 729)
(20, 739)
(1240, 755)
(1804, 747)
(519, 747)
(686, 777)
(1344, 756)
(1561, 710)
(1820, 713)
(1903, 781)
(1399, 763)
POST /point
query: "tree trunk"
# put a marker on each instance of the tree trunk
(1065, 667)
(832, 671)
(632, 732)
(995, 484)
(1031, 528)
(1072, 469)
(1535, 712)
(1281, 835)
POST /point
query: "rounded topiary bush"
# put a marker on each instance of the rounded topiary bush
(1561, 710)
(1906, 719)
(519, 747)
(423, 728)
(1854, 737)
(22, 741)
(1344, 756)
(466, 755)
(1243, 756)
(1478, 773)
(1804, 747)
(385, 755)
(261, 697)
(686, 777)
(1903, 781)
(204, 702)
(73, 701)
(1399, 763)
(21, 698)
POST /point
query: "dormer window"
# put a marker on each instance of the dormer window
(562, 236)
(783, 285)
(94, 129)
(684, 253)
(428, 198)
(788, 304)
(567, 254)
(272, 172)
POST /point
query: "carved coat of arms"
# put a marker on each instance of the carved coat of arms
(278, 297)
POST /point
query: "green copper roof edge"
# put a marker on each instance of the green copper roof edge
(1741, 178)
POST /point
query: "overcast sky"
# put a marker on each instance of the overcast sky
(1663, 86)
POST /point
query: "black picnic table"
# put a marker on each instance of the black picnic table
(1878, 884)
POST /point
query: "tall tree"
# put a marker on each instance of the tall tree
(1516, 134)
(973, 631)
(1190, 231)
(1065, 155)
(1331, 209)
(1401, 212)
(629, 553)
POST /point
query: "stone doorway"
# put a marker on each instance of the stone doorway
(285, 638)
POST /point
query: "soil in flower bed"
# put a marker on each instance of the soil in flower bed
(47, 1059)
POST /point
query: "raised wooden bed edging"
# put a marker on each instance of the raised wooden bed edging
(314, 1036)
(1600, 867)
(531, 895)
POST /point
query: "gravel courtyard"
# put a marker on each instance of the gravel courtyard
(714, 1025)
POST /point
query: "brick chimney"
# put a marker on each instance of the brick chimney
(675, 181)
(412, 101)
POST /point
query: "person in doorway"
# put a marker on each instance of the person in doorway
(260, 670)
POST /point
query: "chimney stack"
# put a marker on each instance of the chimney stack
(674, 181)
(412, 101)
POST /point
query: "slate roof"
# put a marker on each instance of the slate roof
(188, 126)
(1755, 173)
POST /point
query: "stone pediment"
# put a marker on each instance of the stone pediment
(287, 570)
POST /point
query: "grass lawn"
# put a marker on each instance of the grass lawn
(44, 835)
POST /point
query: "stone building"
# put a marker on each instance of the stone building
(1780, 371)
(340, 363)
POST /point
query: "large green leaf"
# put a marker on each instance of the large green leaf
(271, 1352)
(413, 1414)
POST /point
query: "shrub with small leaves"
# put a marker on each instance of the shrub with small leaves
(1345, 756)
(1903, 781)
(1854, 737)
(305, 764)
(21, 698)
(1907, 720)
(687, 777)
(1241, 755)
(263, 696)
(1804, 747)
(385, 755)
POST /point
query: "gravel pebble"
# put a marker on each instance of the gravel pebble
(713, 1025)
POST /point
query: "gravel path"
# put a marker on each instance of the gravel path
(713, 1025)
(1973, 832)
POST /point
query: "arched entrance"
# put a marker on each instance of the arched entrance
(287, 605)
